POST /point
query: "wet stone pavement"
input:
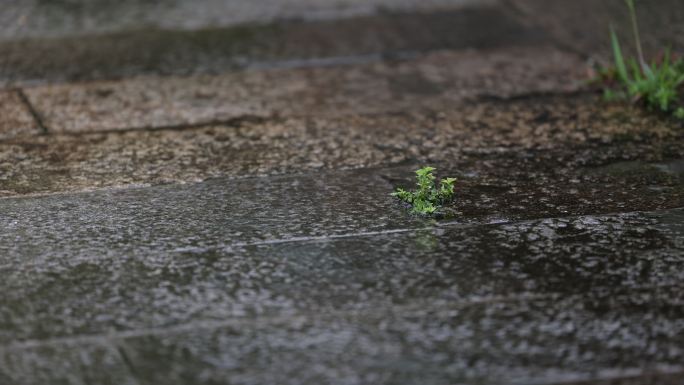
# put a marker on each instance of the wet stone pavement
(198, 193)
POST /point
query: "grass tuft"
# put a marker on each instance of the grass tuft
(657, 85)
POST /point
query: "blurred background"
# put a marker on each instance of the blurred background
(66, 40)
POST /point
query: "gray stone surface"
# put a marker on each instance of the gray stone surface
(187, 274)
(503, 343)
(214, 213)
(186, 300)
(431, 80)
(503, 153)
(495, 343)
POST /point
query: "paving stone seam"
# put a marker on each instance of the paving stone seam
(332, 237)
(31, 109)
(275, 118)
(232, 122)
(530, 95)
(128, 364)
(314, 239)
(309, 239)
(136, 186)
(269, 175)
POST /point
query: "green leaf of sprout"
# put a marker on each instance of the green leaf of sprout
(427, 198)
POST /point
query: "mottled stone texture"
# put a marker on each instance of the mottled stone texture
(166, 219)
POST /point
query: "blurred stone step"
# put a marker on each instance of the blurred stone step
(35, 18)
(164, 47)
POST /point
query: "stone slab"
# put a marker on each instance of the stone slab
(34, 18)
(433, 80)
(209, 214)
(124, 286)
(111, 276)
(575, 154)
(15, 118)
(612, 337)
(536, 342)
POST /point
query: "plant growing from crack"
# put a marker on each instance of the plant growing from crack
(657, 85)
(428, 197)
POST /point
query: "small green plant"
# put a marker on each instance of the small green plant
(657, 85)
(428, 197)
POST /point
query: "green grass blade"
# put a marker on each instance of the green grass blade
(650, 73)
(630, 4)
(619, 59)
(635, 30)
(636, 70)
